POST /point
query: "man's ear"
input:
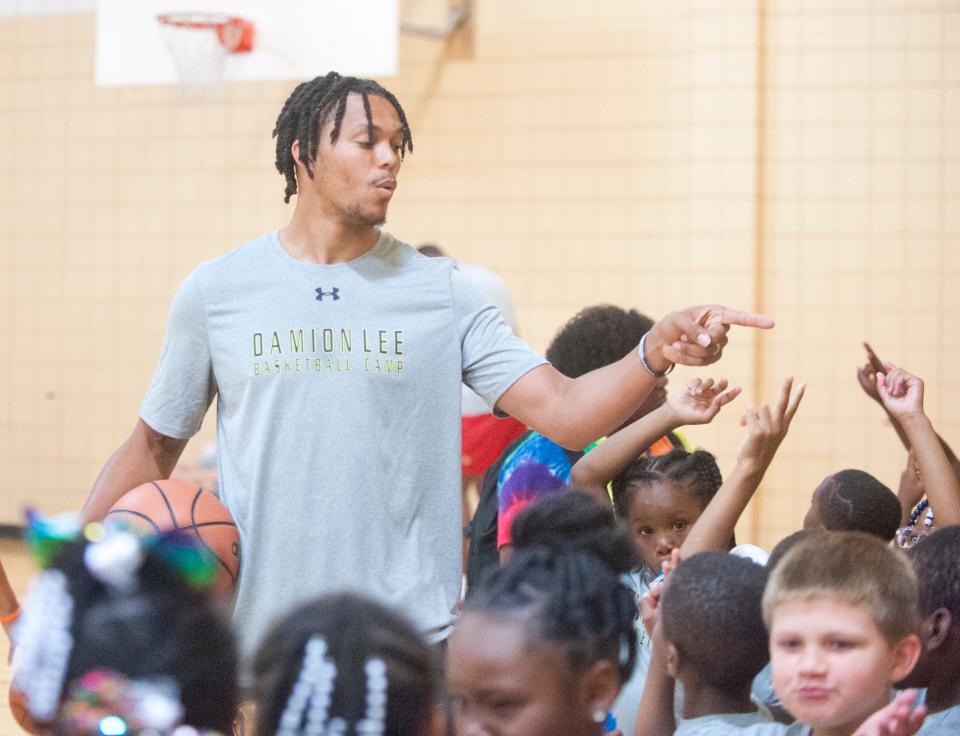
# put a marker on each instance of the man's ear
(906, 653)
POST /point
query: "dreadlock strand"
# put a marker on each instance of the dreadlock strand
(407, 143)
(366, 109)
(338, 117)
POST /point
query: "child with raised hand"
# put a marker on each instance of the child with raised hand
(343, 664)
(714, 641)
(658, 498)
(697, 403)
(902, 396)
(936, 560)
(542, 646)
(766, 429)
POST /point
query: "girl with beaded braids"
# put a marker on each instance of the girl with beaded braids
(343, 664)
(120, 635)
(543, 646)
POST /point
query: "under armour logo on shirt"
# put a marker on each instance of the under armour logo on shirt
(334, 292)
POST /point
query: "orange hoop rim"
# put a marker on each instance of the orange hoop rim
(200, 21)
(235, 33)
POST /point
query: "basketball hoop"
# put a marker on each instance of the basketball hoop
(200, 44)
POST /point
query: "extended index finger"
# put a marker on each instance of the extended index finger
(745, 319)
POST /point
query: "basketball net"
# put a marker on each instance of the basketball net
(200, 44)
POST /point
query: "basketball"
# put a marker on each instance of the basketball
(18, 707)
(167, 505)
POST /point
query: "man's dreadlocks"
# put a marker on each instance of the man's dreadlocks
(307, 110)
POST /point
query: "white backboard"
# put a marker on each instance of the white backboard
(295, 39)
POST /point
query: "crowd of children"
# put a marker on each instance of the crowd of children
(625, 606)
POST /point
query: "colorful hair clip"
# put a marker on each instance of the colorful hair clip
(46, 535)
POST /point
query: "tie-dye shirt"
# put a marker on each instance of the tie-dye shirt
(539, 467)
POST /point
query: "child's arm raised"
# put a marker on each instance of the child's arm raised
(655, 713)
(902, 396)
(697, 403)
(765, 431)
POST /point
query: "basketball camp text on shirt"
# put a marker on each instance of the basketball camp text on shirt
(310, 350)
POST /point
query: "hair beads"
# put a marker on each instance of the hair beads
(311, 693)
(43, 637)
(376, 711)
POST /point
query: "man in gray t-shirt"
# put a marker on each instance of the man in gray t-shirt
(336, 354)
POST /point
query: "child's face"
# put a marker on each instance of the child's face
(660, 517)
(500, 684)
(831, 665)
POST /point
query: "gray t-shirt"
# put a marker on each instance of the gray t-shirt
(721, 724)
(338, 418)
(773, 729)
(942, 723)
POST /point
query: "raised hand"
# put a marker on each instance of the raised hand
(700, 401)
(901, 393)
(696, 335)
(897, 718)
(766, 428)
(867, 378)
(910, 491)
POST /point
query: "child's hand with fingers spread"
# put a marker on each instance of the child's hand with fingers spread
(900, 392)
(700, 401)
(898, 718)
(766, 428)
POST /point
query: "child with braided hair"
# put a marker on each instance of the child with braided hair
(120, 635)
(344, 665)
(543, 645)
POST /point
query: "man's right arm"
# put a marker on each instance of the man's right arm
(146, 455)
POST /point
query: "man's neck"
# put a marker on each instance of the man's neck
(704, 700)
(316, 238)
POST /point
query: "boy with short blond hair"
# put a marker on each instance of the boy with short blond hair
(841, 609)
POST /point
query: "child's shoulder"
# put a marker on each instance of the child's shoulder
(942, 723)
(768, 729)
(725, 723)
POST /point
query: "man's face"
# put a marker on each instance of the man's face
(832, 667)
(354, 178)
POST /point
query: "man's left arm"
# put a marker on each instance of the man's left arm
(574, 412)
